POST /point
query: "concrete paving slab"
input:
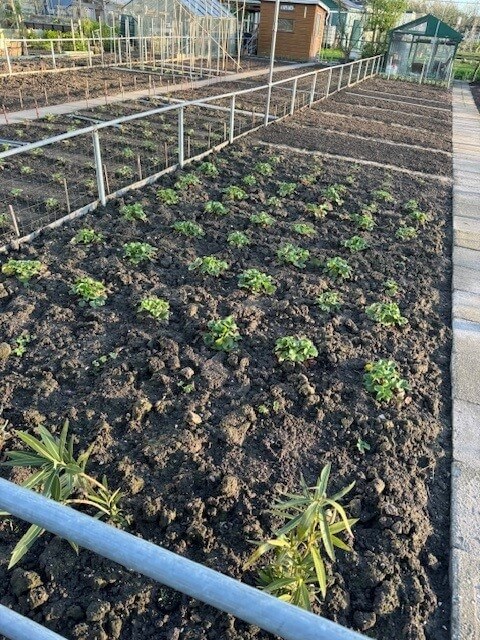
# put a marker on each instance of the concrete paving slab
(466, 424)
(464, 578)
(466, 280)
(468, 258)
(466, 306)
(465, 529)
(466, 361)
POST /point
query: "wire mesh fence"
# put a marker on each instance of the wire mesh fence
(47, 179)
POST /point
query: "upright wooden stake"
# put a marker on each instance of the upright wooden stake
(66, 195)
(14, 220)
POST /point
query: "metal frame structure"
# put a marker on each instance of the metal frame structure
(197, 581)
(365, 68)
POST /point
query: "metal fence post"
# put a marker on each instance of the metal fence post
(97, 154)
(231, 133)
(350, 75)
(294, 96)
(312, 90)
(180, 137)
(340, 78)
(359, 70)
(329, 82)
(366, 69)
(52, 49)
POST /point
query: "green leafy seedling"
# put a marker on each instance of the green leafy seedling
(238, 239)
(262, 219)
(223, 334)
(87, 236)
(286, 189)
(304, 229)
(291, 254)
(215, 207)
(168, 196)
(209, 265)
(338, 268)
(391, 287)
(234, 193)
(188, 228)
(295, 349)
(90, 291)
(406, 233)
(256, 281)
(155, 307)
(383, 380)
(186, 181)
(137, 252)
(329, 301)
(23, 270)
(386, 313)
(356, 243)
(133, 212)
(208, 169)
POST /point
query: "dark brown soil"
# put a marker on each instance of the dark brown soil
(204, 490)
(475, 89)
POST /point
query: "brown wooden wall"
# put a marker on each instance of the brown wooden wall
(303, 43)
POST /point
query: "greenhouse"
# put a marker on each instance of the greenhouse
(186, 29)
(424, 48)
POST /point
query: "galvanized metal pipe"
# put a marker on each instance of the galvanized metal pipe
(181, 138)
(200, 582)
(231, 128)
(17, 627)
(294, 97)
(97, 154)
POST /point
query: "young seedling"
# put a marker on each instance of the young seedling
(186, 181)
(264, 168)
(208, 169)
(168, 196)
(383, 380)
(20, 344)
(308, 179)
(137, 252)
(127, 153)
(124, 172)
(133, 212)
(26, 170)
(16, 192)
(334, 194)
(406, 233)
(157, 308)
(356, 243)
(386, 313)
(250, 180)
(99, 363)
(411, 205)
(256, 281)
(286, 189)
(362, 445)
(291, 254)
(329, 301)
(51, 203)
(223, 334)
(317, 210)
(391, 287)
(90, 291)
(313, 521)
(61, 477)
(87, 236)
(363, 221)
(304, 229)
(215, 207)
(238, 239)
(338, 268)
(23, 270)
(234, 193)
(188, 228)
(295, 349)
(420, 218)
(273, 201)
(262, 219)
(209, 265)
(383, 196)
(58, 178)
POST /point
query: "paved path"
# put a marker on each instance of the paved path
(465, 527)
(70, 107)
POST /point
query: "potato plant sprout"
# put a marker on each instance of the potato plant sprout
(23, 270)
(264, 168)
(363, 221)
(137, 252)
(208, 169)
(133, 212)
(223, 334)
(188, 228)
(383, 380)
(356, 243)
(318, 210)
(386, 313)
(87, 236)
(238, 239)
(262, 219)
(209, 265)
(304, 229)
(329, 301)
(168, 196)
(405, 232)
(390, 287)
(291, 254)
(155, 307)
(338, 268)
(256, 281)
(91, 292)
(312, 522)
(186, 181)
(295, 349)
(286, 189)
(215, 207)
(234, 193)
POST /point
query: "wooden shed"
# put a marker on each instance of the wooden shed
(300, 29)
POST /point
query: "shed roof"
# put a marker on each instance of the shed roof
(429, 26)
(321, 3)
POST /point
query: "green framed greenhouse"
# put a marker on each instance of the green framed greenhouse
(423, 49)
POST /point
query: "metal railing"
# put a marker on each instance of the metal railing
(24, 226)
(197, 581)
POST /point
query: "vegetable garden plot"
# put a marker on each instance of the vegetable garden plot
(442, 115)
(401, 88)
(200, 440)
